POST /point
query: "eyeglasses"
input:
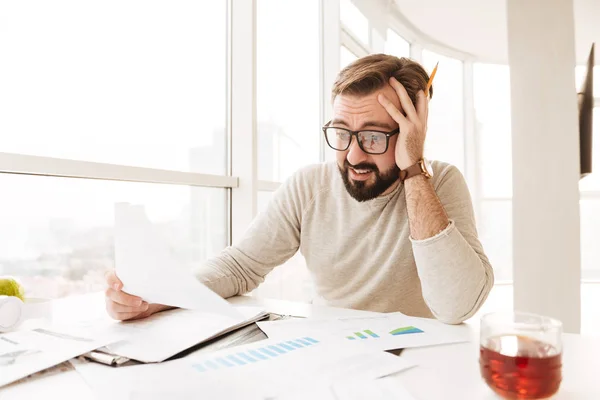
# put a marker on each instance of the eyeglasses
(371, 142)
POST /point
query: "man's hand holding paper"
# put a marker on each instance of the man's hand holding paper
(123, 306)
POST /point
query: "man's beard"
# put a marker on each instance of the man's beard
(364, 190)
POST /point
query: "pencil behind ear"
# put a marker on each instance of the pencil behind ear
(429, 89)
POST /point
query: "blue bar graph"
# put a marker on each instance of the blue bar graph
(277, 349)
(224, 362)
(268, 352)
(246, 357)
(254, 355)
(236, 360)
(212, 365)
(286, 346)
(199, 367)
(257, 354)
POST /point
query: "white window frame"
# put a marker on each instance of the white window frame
(241, 179)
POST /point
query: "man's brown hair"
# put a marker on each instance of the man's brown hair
(370, 73)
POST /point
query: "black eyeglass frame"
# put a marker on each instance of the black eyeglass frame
(388, 135)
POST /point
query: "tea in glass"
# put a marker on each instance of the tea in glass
(520, 355)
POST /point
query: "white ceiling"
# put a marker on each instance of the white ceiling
(478, 27)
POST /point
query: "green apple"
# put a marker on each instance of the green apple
(10, 287)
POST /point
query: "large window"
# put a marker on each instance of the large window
(590, 210)
(57, 234)
(126, 85)
(396, 45)
(445, 133)
(287, 86)
(591, 183)
(493, 129)
(491, 86)
(132, 83)
(288, 108)
(346, 57)
(355, 21)
(290, 281)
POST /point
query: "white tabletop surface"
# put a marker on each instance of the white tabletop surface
(444, 372)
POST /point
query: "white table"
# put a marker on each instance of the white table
(445, 372)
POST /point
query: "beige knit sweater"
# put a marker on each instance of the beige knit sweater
(361, 255)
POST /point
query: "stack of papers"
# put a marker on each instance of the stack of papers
(382, 332)
(265, 369)
(162, 335)
(24, 353)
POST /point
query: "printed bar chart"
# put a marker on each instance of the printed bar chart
(371, 333)
(405, 331)
(368, 333)
(265, 353)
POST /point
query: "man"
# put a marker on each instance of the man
(380, 229)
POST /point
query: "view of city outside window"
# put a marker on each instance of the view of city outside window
(57, 234)
(445, 130)
(396, 45)
(288, 101)
(355, 21)
(133, 83)
(491, 87)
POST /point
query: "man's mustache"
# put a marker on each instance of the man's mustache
(361, 166)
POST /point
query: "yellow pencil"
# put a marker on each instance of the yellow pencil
(431, 79)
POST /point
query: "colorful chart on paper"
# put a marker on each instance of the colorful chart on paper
(369, 334)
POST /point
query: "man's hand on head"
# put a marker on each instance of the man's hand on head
(413, 126)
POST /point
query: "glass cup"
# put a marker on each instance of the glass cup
(520, 354)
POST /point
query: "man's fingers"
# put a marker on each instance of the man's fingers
(394, 112)
(120, 308)
(405, 102)
(123, 298)
(113, 281)
(422, 108)
(125, 316)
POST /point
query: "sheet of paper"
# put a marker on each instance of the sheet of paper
(37, 350)
(268, 368)
(383, 332)
(163, 335)
(147, 268)
(355, 389)
(58, 382)
(376, 389)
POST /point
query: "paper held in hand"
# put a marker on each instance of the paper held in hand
(146, 266)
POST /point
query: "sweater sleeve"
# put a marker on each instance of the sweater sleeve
(271, 239)
(456, 275)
